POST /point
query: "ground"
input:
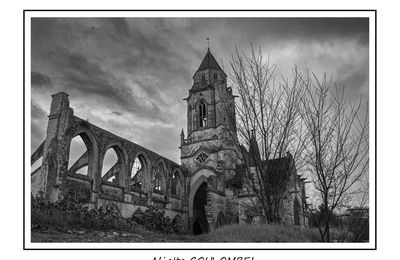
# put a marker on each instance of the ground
(232, 233)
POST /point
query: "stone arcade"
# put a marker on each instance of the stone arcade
(196, 193)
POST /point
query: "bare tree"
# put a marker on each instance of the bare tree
(269, 127)
(337, 154)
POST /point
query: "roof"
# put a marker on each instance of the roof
(209, 62)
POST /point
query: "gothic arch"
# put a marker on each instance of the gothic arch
(176, 182)
(205, 171)
(198, 208)
(144, 176)
(122, 159)
(202, 112)
(200, 100)
(159, 176)
(194, 186)
(92, 148)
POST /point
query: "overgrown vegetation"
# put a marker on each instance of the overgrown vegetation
(262, 232)
(71, 213)
(155, 219)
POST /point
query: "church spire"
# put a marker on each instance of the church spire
(209, 62)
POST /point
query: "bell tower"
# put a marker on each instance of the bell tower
(211, 124)
(209, 98)
(209, 152)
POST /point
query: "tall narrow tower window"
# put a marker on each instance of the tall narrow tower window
(203, 114)
(203, 79)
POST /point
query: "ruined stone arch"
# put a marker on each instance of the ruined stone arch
(197, 206)
(122, 161)
(144, 176)
(92, 148)
(198, 178)
(176, 182)
(205, 171)
(159, 176)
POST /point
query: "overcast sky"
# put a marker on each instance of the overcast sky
(129, 76)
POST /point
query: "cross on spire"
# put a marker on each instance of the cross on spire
(208, 43)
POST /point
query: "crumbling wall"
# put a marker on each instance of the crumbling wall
(56, 182)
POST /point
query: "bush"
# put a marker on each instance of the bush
(154, 219)
(70, 213)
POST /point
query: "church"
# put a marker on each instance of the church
(203, 193)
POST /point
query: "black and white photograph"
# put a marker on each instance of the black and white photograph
(200, 129)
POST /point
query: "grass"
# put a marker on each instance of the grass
(258, 232)
(251, 233)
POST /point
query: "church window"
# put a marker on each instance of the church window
(175, 188)
(203, 79)
(202, 157)
(203, 114)
(136, 174)
(215, 76)
(157, 179)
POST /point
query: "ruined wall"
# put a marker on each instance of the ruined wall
(56, 181)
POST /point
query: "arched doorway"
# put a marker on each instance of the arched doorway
(200, 224)
(296, 212)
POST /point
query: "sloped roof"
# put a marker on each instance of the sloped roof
(209, 62)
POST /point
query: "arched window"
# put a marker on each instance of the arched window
(203, 79)
(158, 179)
(203, 114)
(136, 174)
(111, 163)
(189, 118)
(175, 184)
(78, 158)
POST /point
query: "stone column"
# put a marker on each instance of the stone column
(56, 147)
(208, 211)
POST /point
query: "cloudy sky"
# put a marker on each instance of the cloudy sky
(129, 76)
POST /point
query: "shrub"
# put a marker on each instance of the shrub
(154, 219)
(70, 213)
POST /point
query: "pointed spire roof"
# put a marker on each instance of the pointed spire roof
(209, 62)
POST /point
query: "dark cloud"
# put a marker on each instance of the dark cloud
(129, 75)
(38, 123)
(81, 76)
(117, 113)
(39, 80)
(120, 25)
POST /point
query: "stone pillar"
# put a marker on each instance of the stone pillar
(209, 213)
(56, 147)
